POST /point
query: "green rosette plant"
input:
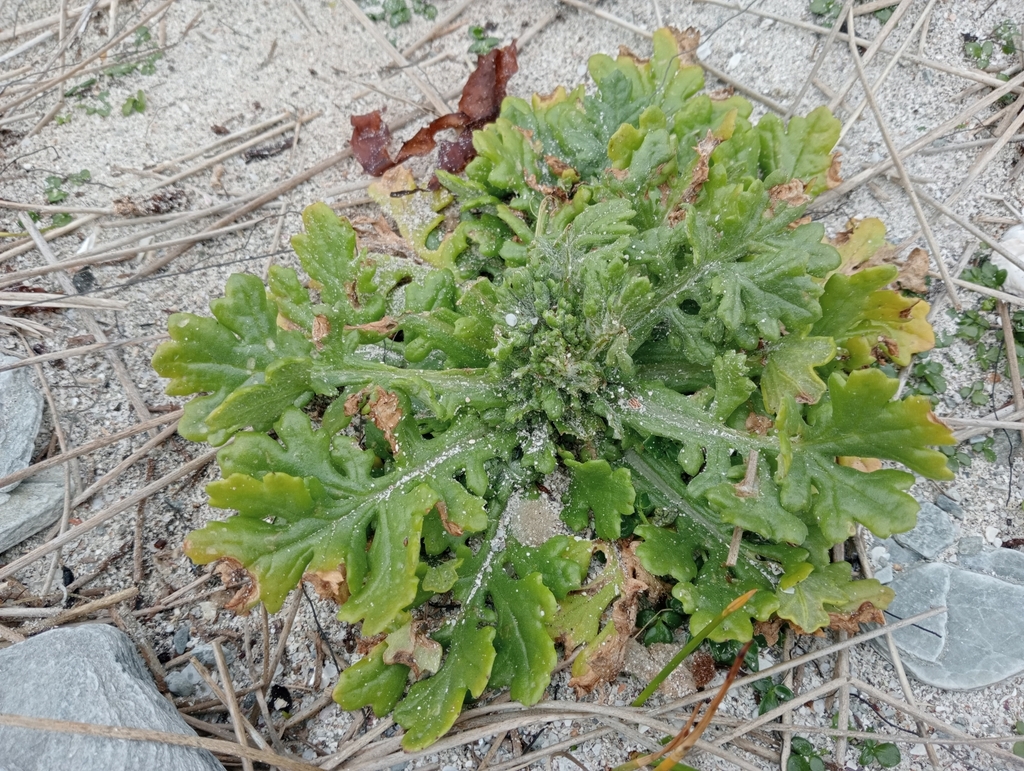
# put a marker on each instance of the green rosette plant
(621, 289)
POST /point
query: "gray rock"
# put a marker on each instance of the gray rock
(205, 656)
(21, 411)
(1006, 564)
(34, 505)
(897, 555)
(1006, 444)
(89, 674)
(950, 506)
(181, 635)
(933, 533)
(179, 683)
(978, 641)
(968, 546)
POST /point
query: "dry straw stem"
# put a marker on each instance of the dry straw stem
(880, 80)
(226, 139)
(160, 737)
(48, 21)
(88, 447)
(81, 350)
(975, 75)
(826, 48)
(975, 231)
(127, 463)
(903, 738)
(439, 27)
(122, 254)
(15, 300)
(47, 85)
(107, 514)
(901, 169)
(91, 324)
(83, 610)
(984, 158)
(1011, 358)
(931, 720)
(872, 49)
(440, 106)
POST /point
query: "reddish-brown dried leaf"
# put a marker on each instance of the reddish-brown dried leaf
(850, 622)
(329, 584)
(370, 140)
(479, 105)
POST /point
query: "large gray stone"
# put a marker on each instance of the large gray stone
(21, 411)
(37, 503)
(933, 533)
(88, 674)
(1006, 564)
(978, 641)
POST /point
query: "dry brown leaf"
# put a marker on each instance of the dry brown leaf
(415, 650)
(385, 414)
(688, 41)
(769, 629)
(913, 272)
(704, 148)
(850, 622)
(384, 326)
(450, 527)
(321, 328)
(833, 178)
(626, 53)
(860, 464)
(232, 573)
(606, 661)
(329, 584)
(286, 324)
(791, 192)
(759, 424)
(480, 103)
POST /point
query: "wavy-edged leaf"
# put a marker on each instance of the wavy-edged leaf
(432, 705)
(596, 487)
(372, 683)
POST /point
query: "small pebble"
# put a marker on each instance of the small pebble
(181, 637)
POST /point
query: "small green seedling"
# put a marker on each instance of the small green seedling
(55, 192)
(482, 43)
(831, 9)
(398, 12)
(658, 626)
(770, 694)
(884, 754)
(929, 379)
(136, 103)
(804, 756)
(1018, 747)
(980, 51)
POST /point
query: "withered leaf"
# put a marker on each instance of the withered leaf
(450, 527)
(384, 326)
(232, 573)
(704, 148)
(370, 140)
(329, 584)
(385, 414)
(321, 328)
(480, 103)
(850, 622)
(689, 41)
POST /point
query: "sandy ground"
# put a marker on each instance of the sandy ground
(229, 66)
